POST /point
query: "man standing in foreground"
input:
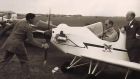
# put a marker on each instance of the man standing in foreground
(14, 45)
(132, 30)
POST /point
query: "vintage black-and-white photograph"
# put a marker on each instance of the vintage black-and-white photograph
(69, 39)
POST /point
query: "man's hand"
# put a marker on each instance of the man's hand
(137, 36)
(122, 30)
(45, 46)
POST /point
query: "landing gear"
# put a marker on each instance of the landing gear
(95, 69)
(64, 68)
(69, 66)
(90, 76)
(92, 72)
(127, 73)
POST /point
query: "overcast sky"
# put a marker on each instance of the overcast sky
(84, 7)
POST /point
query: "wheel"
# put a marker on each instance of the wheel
(64, 67)
(90, 76)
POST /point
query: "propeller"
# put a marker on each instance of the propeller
(47, 36)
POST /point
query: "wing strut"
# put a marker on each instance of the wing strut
(94, 69)
(127, 73)
(48, 38)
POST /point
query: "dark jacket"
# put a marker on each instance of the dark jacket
(131, 31)
(15, 42)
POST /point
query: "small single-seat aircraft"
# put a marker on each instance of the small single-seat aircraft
(83, 42)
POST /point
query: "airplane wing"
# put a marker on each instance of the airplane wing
(118, 62)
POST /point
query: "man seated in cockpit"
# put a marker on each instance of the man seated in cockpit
(109, 33)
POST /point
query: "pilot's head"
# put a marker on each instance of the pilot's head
(130, 16)
(108, 23)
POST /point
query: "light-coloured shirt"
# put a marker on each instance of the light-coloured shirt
(131, 21)
(110, 35)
